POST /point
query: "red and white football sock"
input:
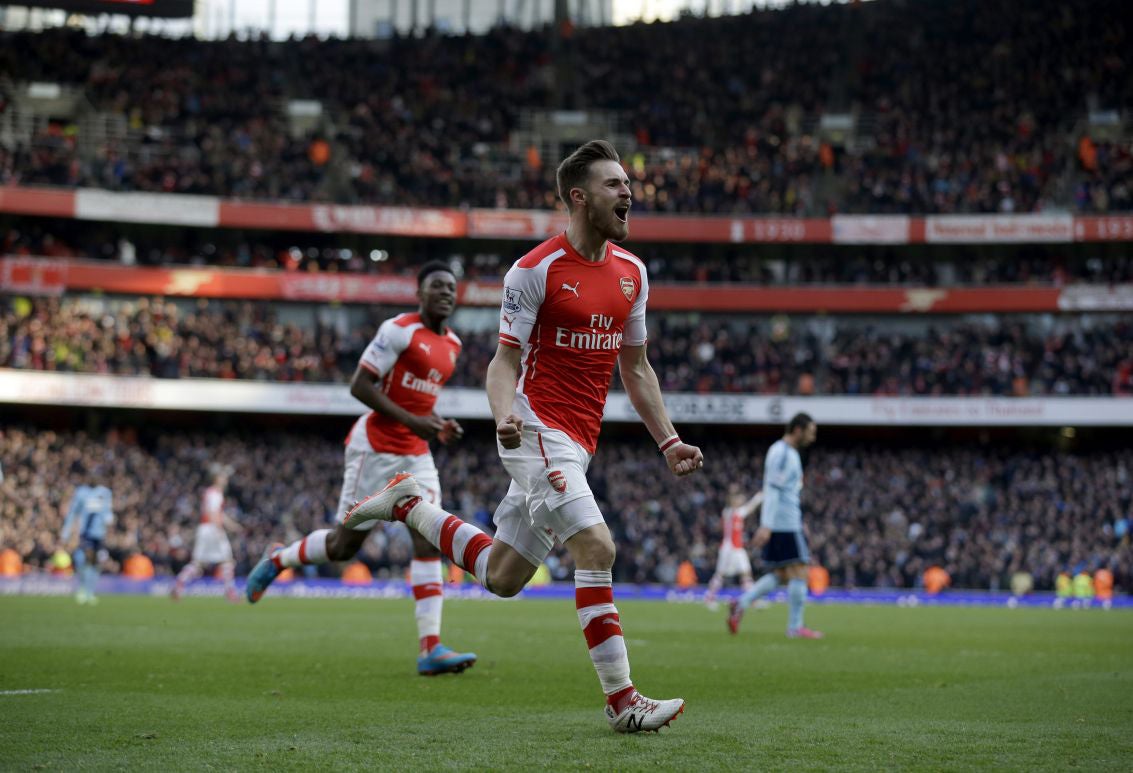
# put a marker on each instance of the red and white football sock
(428, 590)
(228, 575)
(312, 549)
(714, 586)
(189, 572)
(460, 542)
(594, 599)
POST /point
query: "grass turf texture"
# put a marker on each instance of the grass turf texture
(318, 684)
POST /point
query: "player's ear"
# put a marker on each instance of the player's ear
(578, 196)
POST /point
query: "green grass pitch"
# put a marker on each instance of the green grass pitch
(145, 684)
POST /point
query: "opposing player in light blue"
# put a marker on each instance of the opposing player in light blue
(780, 531)
(90, 514)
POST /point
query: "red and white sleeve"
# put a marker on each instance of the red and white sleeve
(524, 290)
(387, 345)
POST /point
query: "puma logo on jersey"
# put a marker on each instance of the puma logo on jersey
(572, 289)
(427, 347)
(508, 320)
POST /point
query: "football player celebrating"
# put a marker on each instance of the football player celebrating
(572, 308)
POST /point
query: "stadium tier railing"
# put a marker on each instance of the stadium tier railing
(50, 276)
(28, 387)
(216, 212)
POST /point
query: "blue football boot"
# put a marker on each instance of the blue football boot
(442, 660)
(261, 576)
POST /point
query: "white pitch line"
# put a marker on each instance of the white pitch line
(25, 692)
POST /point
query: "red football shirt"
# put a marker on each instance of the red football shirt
(413, 363)
(570, 317)
(734, 526)
(212, 506)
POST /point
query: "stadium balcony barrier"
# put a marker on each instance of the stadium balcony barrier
(53, 276)
(216, 212)
(29, 387)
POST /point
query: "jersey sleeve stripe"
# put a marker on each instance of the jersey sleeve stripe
(534, 259)
(370, 368)
(631, 258)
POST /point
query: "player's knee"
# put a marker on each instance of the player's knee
(340, 547)
(606, 554)
(597, 552)
(505, 587)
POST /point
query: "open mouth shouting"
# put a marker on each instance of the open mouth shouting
(621, 212)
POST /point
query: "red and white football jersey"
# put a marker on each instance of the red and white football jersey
(733, 526)
(570, 317)
(212, 506)
(413, 363)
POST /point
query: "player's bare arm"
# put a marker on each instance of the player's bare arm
(750, 506)
(364, 388)
(762, 535)
(644, 392)
(503, 372)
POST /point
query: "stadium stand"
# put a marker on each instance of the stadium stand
(958, 266)
(937, 114)
(948, 115)
(1015, 356)
(878, 515)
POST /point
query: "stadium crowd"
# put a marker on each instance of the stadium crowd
(818, 264)
(1014, 356)
(876, 516)
(951, 116)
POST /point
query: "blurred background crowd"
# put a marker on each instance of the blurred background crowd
(810, 110)
(939, 355)
(778, 265)
(877, 515)
(949, 115)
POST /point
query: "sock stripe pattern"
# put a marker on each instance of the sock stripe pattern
(601, 625)
(425, 577)
(189, 573)
(463, 543)
(312, 549)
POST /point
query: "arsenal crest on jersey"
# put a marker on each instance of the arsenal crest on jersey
(627, 288)
(557, 480)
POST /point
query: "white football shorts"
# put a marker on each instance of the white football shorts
(211, 545)
(547, 471)
(732, 561)
(367, 471)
